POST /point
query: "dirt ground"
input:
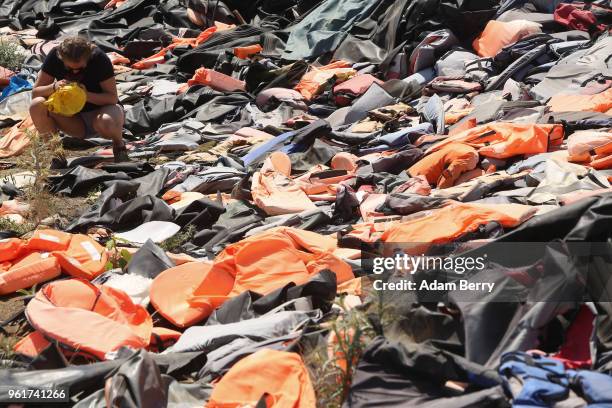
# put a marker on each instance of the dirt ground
(9, 305)
(12, 332)
(66, 208)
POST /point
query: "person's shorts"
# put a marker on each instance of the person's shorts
(88, 118)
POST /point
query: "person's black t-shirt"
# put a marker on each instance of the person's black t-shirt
(99, 68)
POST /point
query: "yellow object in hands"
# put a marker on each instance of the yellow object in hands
(67, 100)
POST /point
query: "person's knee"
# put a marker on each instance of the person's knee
(108, 125)
(37, 106)
(119, 116)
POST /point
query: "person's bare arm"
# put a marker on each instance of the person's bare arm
(44, 85)
(108, 96)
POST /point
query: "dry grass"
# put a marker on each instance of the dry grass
(51, 210)
(37, 160)
(6, 349)
(177, 240)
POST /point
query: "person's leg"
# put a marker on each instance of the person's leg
(47, 123)
(108, 123)
(72, 126)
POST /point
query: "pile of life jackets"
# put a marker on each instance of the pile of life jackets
(45, 256)
(189, 293)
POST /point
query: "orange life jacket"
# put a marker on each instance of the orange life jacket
(280, 375)
(502, 140)
(32, 269)
(31, 345)
(216, 80)
(601, 102)
(246, 52)
(162, 338)
(311, 83)
(450, 222)
(89, 319)
(16, 140)
(84, 257)
(261, 263)
(10, 249)
(160, 56)
(171, 289)
(48, 240)
(443, 167)
(498, 34)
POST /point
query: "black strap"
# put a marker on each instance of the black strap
(262, 403)
(12, 318)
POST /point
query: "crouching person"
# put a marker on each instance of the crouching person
(76, 60)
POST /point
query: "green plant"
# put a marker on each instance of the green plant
(7, 224)
(324, 373)
(178, 239)
(27, 292)
(93, 195)
(11, 55)
(333, 364)
(206, 146)
(119, 258)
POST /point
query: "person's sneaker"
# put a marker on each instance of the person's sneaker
(120, 153)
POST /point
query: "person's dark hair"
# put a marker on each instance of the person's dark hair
(75, 49)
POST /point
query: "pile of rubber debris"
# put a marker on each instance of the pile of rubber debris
(290, 143)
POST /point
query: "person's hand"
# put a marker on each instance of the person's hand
(59, 84)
